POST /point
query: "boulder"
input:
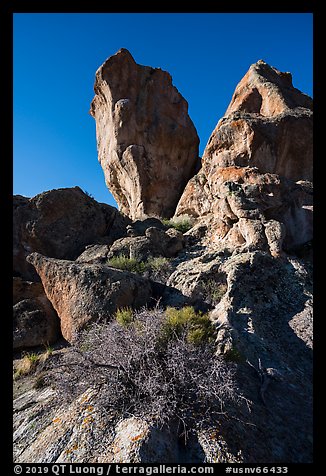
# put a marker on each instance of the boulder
(82, 292)
(279, 144)
(169, 243)
(134, 247)
(35, 322)
(147, 143)
(198, 278)
(267, 91)
(94, 253)
(60, 223)
(156, 242)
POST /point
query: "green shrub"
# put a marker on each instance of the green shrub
(26, 365)
(32, 357)
(127, 264)
(182, 224)
(196, 336)
(158, 263)
(135, 374)
(124, 316)
(198, 326)
(48, 350)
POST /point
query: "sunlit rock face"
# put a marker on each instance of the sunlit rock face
(147, 143)
(257, 166)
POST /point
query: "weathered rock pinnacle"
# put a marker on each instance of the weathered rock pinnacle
(147, 143)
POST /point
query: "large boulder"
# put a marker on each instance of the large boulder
(156, 242)
(257, 166)
(60, 223)
(82, 292)
(147, 143)
(35, 321)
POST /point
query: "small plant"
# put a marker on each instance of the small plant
(234, 355)
(124, 316)
(26, 365)
(48, 349)
(127, 264)
(182, 224)
(32, 357)
(158, 268)
(198, 327)
(136, 372)
(88, 194)
(157, 263)
(30, 362)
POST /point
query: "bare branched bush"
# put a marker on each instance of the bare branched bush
(138, 371)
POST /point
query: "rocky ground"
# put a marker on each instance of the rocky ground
(238, 249)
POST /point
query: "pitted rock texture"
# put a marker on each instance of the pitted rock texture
(60, 223)
(244, 209)
(156, 242)
(257, 166)
(264, 324)
(281, 144)
(81, 292)
(267, 91)
(147, 143)
(48, 430)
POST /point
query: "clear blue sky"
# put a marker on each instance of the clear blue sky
(56, 56)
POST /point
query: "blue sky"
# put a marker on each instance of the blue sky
(56, 56)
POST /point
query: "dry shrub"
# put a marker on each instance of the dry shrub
(138, 371)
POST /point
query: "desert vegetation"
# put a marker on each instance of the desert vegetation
(182, 223)
(155, 267)
(155, 364)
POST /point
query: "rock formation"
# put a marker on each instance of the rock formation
(268, 124)
(155, 243)
(81, 292)
(60, 223)
(246, 262)
(257, 166)
(132, 440)
(147, 143)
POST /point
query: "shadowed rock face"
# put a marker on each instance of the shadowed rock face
(252, 200)
(258, 159)
(35, 322)
(60, 223)
(81, 292)
(147, 143)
